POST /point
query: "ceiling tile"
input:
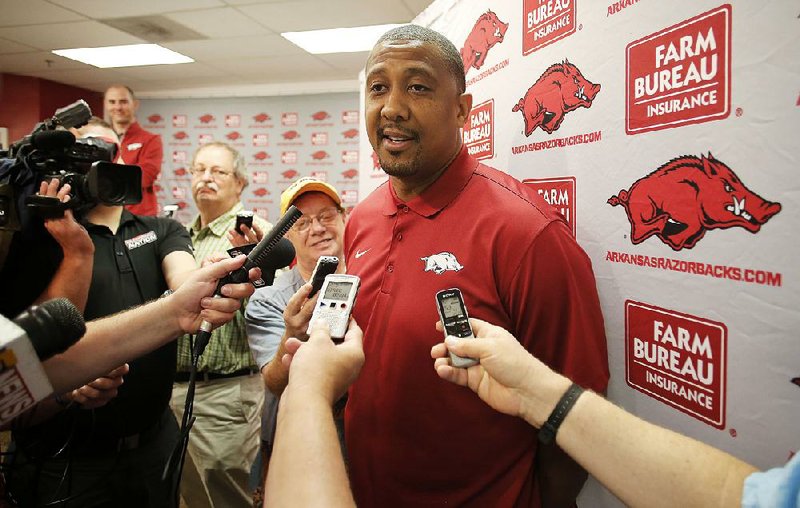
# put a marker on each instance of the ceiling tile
(239, 47)
(219, 23)
(165, 72)
(8, 47)
(352, 62)
(34, 12)
(81, 34)
(91, 78)
(299, 67)
(318, 14)
(100, 9)
(20, 63)
(417, 6)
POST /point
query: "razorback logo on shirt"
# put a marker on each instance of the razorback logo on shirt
(143, 239)
(134, 146)
(441, 262)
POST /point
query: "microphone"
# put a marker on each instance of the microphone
(280, 257)
(35, 335)
(258, 257)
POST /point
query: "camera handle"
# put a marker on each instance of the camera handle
(47, 207)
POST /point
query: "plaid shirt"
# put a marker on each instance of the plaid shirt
(227, 350)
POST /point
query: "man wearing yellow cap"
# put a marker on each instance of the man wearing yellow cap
(283, 310)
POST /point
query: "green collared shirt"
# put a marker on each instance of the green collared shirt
(227, 350)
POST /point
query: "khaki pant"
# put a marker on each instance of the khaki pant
(223, 441)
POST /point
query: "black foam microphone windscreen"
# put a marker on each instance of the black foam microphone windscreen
(52, 327)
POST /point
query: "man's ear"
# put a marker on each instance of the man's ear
(464, 107)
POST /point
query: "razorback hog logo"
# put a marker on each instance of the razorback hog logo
(487, 32)
(155, 118)
(180, 135)
(206, 118)
(376, 162)
(180, 172)
(350, 133)
(442, 262)
(261, 191)
(157, 188)
(561, 89)
(289, 174)
(319, 155)
(320, 115)
(260, 156)
(290, 135)
(233, 135)
(261, 117)
(182, 205)
(686, 197)
(350, 173)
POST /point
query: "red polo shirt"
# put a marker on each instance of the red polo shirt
(144, 149)
(414, 439)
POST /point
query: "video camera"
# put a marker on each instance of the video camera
(52, 152)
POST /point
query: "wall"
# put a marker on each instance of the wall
(281, 138)
(683, 191)
(25, 101)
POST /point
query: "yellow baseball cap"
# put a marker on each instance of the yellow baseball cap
(307, 184)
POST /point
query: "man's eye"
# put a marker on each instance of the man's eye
(377, 87)
(418, 88)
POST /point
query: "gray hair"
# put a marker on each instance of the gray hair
(239, 164)
(450, 55)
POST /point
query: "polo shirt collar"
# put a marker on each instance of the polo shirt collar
(441, 193)
(133, 129)
(220, 225)
(125, 218)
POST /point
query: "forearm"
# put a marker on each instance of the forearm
(112, 341)
(71, 281)
(276, 375)
(641, 463)
(307, 468)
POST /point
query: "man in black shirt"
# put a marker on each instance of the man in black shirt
(109, 450)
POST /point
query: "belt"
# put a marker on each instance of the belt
(183, 377)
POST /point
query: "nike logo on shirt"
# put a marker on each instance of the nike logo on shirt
(360, 253)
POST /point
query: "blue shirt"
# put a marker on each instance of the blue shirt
(776, 488)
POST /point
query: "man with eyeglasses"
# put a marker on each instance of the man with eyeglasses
(224, 439)
(283, 310)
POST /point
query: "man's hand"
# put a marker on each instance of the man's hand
(298, 313)
(193, 302)
(320, 367)
(250, 236)
(506, 371)
(71, 236)
(100, 391)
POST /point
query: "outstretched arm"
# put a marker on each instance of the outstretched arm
(307, 468)
(641, 463)
(114, 340)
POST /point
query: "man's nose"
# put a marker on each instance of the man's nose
(316, 225)
(395, 107)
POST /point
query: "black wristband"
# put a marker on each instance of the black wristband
(548, 431)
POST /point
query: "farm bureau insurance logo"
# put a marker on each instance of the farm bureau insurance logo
(680, 75)
(678, 359)
(479, 133)
(559, 90)
(487, 32)
(687, 196)
(545, 22)
(559, 193)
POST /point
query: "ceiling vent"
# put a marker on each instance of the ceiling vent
(154, 29)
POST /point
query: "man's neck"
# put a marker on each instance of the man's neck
(122, 128)
(108, 216)
(210, 212)
(406, 190)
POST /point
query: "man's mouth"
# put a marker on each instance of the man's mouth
(394, 139)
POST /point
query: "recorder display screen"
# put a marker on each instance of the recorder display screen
(338, 291)
(451, 307)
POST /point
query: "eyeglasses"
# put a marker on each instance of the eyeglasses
(216, 173)
(326, 218)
